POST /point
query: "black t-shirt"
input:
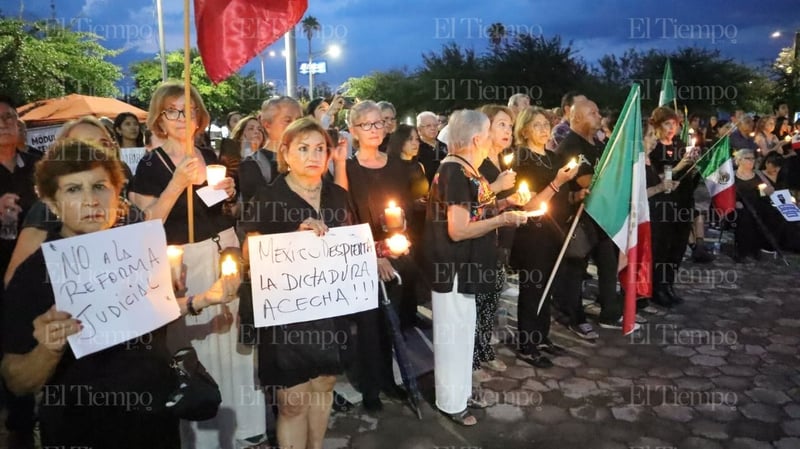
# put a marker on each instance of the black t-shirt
(21, 183)
(371, 189)
(251, 177)
(586, 153)
(473, 260)
(112, 398)
(662, 207)
(282, 210)
(663, 155)
(505, 235)
(154, 173)
(431, 157)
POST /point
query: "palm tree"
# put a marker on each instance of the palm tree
(497, 34)
(310, 26)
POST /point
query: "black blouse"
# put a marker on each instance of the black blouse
(152, 177)
(136, 370)
(473, 260)
(371, 189)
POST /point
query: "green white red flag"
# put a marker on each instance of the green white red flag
(618, 203)
(716, 168)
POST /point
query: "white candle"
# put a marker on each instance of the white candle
(175, 257)
(393, 216)
(523, 188)
(572, 164)
(215, 174)
(229, 266)
(762, 189)
(507, 160)
(398, 244)
(539, 212)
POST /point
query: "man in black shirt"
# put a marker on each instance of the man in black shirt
(431, 151)
(16, 198)
(582, 145)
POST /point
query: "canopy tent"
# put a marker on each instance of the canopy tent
(59, 110)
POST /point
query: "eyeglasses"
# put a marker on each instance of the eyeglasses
(366, 126)
(535, 125)
(389, 119)
(175, 114)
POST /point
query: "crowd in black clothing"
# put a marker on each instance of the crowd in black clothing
(473, 187)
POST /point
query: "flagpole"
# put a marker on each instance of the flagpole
(560, 257)
(187, 110)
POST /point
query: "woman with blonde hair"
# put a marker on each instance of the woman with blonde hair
(160, 190)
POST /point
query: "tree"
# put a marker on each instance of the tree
(395, 86)
(497, 34)
(242, 93)
(310, 26)
(785, 72)
(45, 60)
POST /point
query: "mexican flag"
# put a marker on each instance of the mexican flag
(716, 168)
(618, 203)
(667, 94)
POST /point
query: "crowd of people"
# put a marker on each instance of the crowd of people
(487, 194)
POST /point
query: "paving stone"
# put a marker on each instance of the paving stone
(744, 359)
(709, 429)
(535, 385)
(555, 372)
(712, 350)
(701, 371)
(590, 413)
(591, 373)
(768, 396)
(626, 372)
(754, 349)
(792, 427)
(707, 360)
(782, 349)
(500, 384)
(674, 412)
(336, 443)
(548, 414)
(719, 412)
(787, 443)
(519, 372)
(784, 339)
(646, 442)
(667, 372)
(566, 362)
(788, 322)
(505, 413)
(743, 371)
(754, 332)
(628, 413)
(749, 443)
(762, 412)
(612, 352)
(577, 387)
(694, 383)
(680, 351)
(614, 383)
(521, 398)
(793, 410)
(699, 443)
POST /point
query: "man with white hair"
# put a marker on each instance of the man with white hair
(431, 151)
(518, 102)
(389, 116)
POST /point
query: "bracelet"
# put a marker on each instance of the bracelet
(190, 306)
(552, 185)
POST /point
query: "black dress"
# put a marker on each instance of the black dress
(112, 398)
(281, 364)
(154, 173)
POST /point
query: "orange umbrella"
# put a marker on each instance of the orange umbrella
(59, 110)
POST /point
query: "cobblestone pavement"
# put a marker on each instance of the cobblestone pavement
(720, 371)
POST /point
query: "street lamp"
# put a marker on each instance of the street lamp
(333, 51)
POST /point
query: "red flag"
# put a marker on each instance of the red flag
(232, 32)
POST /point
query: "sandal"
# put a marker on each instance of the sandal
(477, 403)
(464, 418)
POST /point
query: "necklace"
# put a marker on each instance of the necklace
(474, 172)
(311, 191)
(540, 161)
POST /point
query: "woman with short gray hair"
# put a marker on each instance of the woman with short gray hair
(461, 243)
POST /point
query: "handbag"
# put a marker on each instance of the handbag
(197, 396)
(583, 239)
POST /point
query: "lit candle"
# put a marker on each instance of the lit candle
(398, 244)
(229, 266)
(572, 164)
(523, 188)
(694, 142)
(539, 212)
(507, 160)
(762, 189)
(393, 216)
(215, 174)
(175, 257)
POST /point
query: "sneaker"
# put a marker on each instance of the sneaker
(480, 375)
(495, 365)
(584, 330)
(616, 324)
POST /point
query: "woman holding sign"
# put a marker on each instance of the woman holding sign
(112, 398)
(160, 190)
(302, 370)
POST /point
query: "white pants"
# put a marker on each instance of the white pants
(214, 334)
(454, 318)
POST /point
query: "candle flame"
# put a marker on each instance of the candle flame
(762, 186)
(398, 244)
(174, 251)
(229, 266)
(392, 204)
(523, 187)
(508, 158)
(572, 163)
(543, 208)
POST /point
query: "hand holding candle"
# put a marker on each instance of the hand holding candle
(229, 266)
(175, 258)
(572, 164)
(507, 160)
(762, 189)
(537, 213)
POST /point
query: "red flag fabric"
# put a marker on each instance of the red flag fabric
(232, 32)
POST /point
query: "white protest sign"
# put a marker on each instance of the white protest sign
(41, 138)
(298, 276)
(132, 156)
(783, 200)
(116, 282)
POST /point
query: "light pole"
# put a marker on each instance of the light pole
(263, 72)
(333, 51)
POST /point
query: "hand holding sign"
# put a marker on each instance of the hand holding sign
(52, 328)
